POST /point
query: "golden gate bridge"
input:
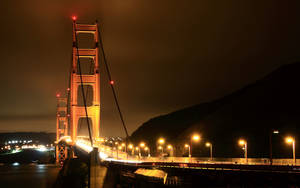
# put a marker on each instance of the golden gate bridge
(78, 121)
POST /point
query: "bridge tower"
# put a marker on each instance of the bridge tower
(61, 127)
(88, 81)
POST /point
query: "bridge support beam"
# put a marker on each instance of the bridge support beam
(61, 128)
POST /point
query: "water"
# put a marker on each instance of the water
(29, 175)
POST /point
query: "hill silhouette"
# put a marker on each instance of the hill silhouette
(251, 112)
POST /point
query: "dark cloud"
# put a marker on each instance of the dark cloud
(164, 55)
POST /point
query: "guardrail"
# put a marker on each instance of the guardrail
(117, 154)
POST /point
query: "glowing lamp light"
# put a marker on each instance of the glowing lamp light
(242, 142)
(111, 82)
(142, 144)
(137, 148)
(169, 147)
(207, 144)
(159, 147)
(289, 140)
(146, 148)
(161, 141)
(196, 137)
(186, 145)
(58, 95)
(130, 146)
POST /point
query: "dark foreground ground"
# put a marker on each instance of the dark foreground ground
(28, 175)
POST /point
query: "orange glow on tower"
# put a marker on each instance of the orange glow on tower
(91, 80)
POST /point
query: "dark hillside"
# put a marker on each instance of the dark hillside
(270, 103)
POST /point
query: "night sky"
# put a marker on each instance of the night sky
(164, 55)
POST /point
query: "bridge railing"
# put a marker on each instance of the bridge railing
(121, 155)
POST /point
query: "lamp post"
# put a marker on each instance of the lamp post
(195, 138)
(148, 150)
(139, 151)
(189, 148)
(117, 145)
(291, 140)
(271, 146)
(123, 146)
(244, 143)
(161, 148)
(170, 147)
(161, 141)
(208, 144)
(130, 146)
(142, 145)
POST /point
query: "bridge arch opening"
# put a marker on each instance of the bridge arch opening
(82, 128)
(88, 93)
(87, 66)
(86, 40)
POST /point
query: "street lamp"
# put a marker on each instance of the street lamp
(244, 144)
(130, 146)
(161, 141)
(117, 143)
(271, 147)
(161, 148)
(208, 144)
(142, 144)
(138, 150)
(195, 138)
(170, 147)
(189, 147)
(291, 140)
(148, 150)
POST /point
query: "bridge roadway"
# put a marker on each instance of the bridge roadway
(183, 171)
(107, 153)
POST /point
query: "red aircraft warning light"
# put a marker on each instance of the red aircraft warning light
(74, 18)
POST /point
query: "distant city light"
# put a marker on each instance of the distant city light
(16, 164)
